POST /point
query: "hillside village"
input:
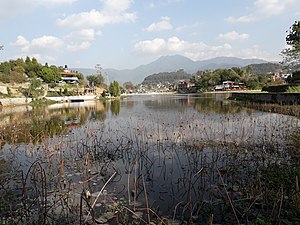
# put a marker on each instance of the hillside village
(28, 78)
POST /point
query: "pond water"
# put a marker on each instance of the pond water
(167, 159)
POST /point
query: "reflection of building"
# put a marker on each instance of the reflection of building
(68, 76)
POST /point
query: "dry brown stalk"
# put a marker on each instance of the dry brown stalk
(146, 199)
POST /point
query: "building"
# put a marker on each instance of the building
(69, 77)
(229, 86)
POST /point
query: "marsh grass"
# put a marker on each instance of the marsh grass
(168, 169)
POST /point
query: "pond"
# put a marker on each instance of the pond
(159, 159)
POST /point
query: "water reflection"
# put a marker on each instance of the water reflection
(25, 124)
(115, 107)
(183, 155)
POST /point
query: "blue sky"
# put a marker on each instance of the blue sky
(124, 34)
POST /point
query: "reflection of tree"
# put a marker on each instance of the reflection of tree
(211, 105)
(115, 107)
(128, 104)
(98, 115)
(40, 123)
(163, 104)
(202, 103)
(37, 130)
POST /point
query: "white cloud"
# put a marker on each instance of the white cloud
(151, 46)
(242, 19)
(185, 27)
(21, 41)
(263, 9)
(114, 11)
(43, 44)
(47, 48)
(233, 36)
(271, 7)
(117, 5)
(198, 50)
(177, 46)
(78, 47)
(256, 52)
(42, 48)
(164, 24)
(174, 44)
(84, 34)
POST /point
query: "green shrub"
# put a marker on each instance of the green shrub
(276, 88)
(293, 89)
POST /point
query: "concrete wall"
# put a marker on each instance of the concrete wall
(14, 101)
(279, 98)
(73, 98)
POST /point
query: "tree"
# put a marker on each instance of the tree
(35, 83)
(291, 55)
(128, 85)
(114, 89)
(95, 80)
(5, 67)
(48, 75)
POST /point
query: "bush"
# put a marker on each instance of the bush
(293, 89)
(295, 78)
(4, 78)
(276, 88)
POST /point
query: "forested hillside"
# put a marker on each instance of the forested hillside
(20, 71)
(265, 68)
(166, 77)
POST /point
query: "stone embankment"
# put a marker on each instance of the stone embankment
(14, 101)
(277, 98)
(24, 101)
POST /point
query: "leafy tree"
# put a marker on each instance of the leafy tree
(18, 63)
(47, 74)
(128, 85)
(5, 67)
(291, 55)
(95, 80)
(35, 83)
(19, 69)
(114, 89)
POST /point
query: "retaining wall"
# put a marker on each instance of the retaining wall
(278, 98)
(14, 101)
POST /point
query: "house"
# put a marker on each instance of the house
(229, 86)
(68, 76)
(219, 87)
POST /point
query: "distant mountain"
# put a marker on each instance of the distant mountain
(84, 71)
(174, 63)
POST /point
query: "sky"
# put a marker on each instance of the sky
(124, 34)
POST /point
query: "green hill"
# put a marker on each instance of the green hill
(166, 77)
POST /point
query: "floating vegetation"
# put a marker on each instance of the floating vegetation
(155, 166)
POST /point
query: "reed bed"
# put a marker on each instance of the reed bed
(167, 168)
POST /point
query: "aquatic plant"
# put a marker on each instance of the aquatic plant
(183, 167)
